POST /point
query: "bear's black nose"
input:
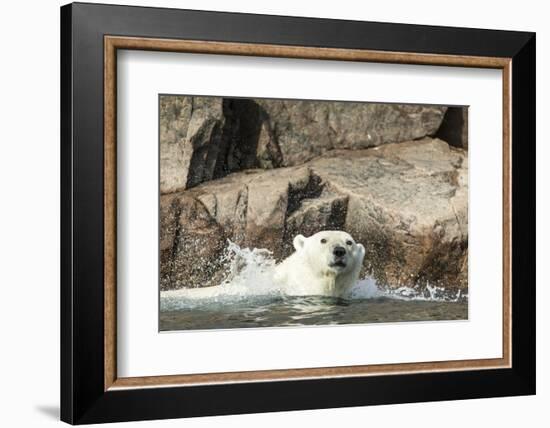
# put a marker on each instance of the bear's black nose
(339, 251)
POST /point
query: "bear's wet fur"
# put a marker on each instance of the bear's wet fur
(325, 264)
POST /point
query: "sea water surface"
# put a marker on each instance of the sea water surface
(249, 298)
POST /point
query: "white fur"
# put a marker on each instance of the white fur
(311, 269)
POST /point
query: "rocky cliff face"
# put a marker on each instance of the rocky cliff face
(204, 138)
(258, 172)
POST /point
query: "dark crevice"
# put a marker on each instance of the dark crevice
(249, 124)
(300, 191)
(203, 143)
(272, 157)
(239, 136)
(227, 136)
(311, 208)
(454, 127)
(221, 147)
(337, 218)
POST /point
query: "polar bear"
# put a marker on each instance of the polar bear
(327, 264)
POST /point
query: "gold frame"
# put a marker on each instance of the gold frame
(112, 43)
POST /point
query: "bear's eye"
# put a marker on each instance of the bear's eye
(323, 241)
(349, 242)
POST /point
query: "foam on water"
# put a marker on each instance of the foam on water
(250, 278)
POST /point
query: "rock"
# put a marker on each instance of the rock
(191, 130)
(252, 206)
(169, 216)
(303, 130)
(406, 202)
(204, 138)
(195, 258)
(408, 205)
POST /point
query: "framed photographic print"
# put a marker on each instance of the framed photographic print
(265, 213)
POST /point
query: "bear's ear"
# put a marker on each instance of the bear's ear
(299, 242)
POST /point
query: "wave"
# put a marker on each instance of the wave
(250, 278)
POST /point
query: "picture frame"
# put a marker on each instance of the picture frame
(91, 391)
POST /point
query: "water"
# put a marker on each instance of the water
(248, 298)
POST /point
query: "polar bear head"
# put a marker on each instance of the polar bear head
(330, 252)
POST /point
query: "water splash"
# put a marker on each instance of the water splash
(250, 278)
(427, 293)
